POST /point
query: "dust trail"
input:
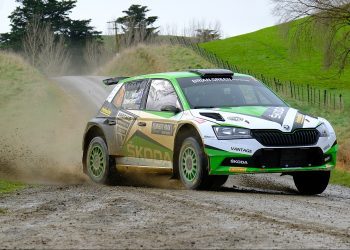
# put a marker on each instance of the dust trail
(40, 138)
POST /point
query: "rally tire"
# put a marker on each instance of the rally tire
(193, 165)
(100, 166)
(311, 183)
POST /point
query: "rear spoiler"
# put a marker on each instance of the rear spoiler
(213, 73)
(114, 80)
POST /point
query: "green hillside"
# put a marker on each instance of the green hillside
(267, 52)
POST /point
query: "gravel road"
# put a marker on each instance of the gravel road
(251, 211)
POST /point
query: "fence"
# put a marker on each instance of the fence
(324, 98)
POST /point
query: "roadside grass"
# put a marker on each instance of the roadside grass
(340, 177)
(9, 186)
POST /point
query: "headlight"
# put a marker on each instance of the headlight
(323, 130)
(228, 133)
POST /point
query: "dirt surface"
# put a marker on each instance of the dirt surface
(251, 211)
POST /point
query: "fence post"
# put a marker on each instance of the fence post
(325, 98)
(308, 93)
(319, 97)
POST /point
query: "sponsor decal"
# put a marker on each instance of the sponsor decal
(240, 162)
(237, 170)
(275, 114)
(326, 147)
(139, 151)
(142, 146)
(124, 124)
(241, 150)
(105, 111)
(160, 128)
(235, 118)
(299, 121)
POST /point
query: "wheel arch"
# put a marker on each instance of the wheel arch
(92, 130)
(184, 130)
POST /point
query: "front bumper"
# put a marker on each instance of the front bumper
(229, 163)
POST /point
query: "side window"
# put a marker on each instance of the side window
(119, 97)
(161, 93)
(130, 95)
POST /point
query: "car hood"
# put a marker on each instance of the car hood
(285, 119)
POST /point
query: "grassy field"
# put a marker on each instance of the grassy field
(267, 52)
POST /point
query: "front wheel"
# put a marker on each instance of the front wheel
(311, 183)
(193, 165)
(100, 166)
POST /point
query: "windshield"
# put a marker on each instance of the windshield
(226, 92)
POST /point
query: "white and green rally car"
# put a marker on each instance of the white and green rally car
(203, 125)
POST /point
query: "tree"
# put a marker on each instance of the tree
(136, 26)
(206, 35)
(321, 23)
(44, 50)
(53, 13)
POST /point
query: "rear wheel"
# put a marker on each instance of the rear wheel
(100, 166)
(193, 165)
(310, 183)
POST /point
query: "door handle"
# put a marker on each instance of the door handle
(110, 122)
(142, 124)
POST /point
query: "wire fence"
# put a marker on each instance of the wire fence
(324, 98)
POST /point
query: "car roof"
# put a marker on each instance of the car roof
(170, 75)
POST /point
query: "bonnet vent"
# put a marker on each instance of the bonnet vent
(215, 116)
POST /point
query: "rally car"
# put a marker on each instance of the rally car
(202, 126)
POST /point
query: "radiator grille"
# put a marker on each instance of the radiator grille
(275, 138)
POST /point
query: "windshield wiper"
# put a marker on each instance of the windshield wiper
(203, 107)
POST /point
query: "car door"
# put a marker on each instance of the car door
(127, 102)
(157, 123)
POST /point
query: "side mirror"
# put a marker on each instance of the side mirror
(171, 108)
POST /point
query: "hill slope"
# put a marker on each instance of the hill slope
(153, 58)
(265, 51)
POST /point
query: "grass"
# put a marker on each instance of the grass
(8, 186)
(153, 58)
(267, 52)
(340, 177)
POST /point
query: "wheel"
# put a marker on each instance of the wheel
(310, 183)
(218, 180)
(100, 166)
(193, 165)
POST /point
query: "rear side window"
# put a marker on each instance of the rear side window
(119, 97)
(161, 93)
(130, 95)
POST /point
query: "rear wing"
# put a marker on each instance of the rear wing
(213, 73)
(114, 80)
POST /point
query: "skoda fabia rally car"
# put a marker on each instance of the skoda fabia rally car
(202, 126)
